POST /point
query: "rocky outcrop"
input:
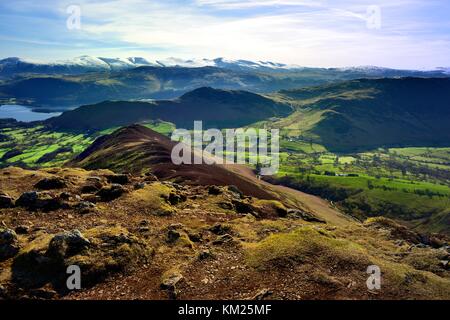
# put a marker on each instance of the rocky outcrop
(98, 253)
(118, 178)
(34, 200)
(9, 244)
(299, 214)
(6, 201)
(51, 183)
(67, 244)
(111, 192)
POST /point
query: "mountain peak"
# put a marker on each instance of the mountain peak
(151, 150)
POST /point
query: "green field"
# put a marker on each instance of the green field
(411, 184)
(38, 146)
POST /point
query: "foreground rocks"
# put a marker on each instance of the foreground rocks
(299, 214)
(145, 239)
(51, 183)
(98, 253)
(118, 178)
(111, 193)
(67, 244)
(6, 201)
(9, 244)
(169, 282)
(34, 200)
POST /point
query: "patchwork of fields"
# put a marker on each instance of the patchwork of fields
(38, 146)
(411, 184)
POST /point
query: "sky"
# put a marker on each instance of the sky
(407, 34)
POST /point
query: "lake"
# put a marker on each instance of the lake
(25, 114)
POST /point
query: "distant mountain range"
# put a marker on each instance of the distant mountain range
(347, 116)
(88, 80)
(14, 66)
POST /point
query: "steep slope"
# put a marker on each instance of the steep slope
(142, 244)
(364, 114)
(138, 149)
(216, 108)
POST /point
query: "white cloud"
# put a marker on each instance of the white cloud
(315, 33)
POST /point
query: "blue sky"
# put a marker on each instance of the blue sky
(406, 33)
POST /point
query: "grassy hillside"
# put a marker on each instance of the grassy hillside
(408, 184)
(366, 114)
(216, 108)
(331, 142)
(37, 146)
(162, 240)
(57, 89)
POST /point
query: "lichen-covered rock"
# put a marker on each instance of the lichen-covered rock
(51, 183)
(118, 178)
(215, 190)
(150, 177)
(268, 208)
(6, 201)
(111, 250)
(91, 188)
(179, 238)
(299, 214)
(9, 244)
(220, 229)
(235, 191)
(85, 207)
(111, 193)
(139, 185)
(169, 281)
(223, 239)
(176, 198)
(67, 244)
(34, 200)
(172, 236)
(164, 211)
(226, 205)
(205, 254)
(98, 252)
(243, 207)
(395, 230)
(91, 198)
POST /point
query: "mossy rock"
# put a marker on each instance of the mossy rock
(9, 244)
(106, 250)
(305, 245)
(395, 230)
(270, 209)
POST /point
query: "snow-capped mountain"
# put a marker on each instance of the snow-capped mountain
(226, 64)
(78, 65)
(10, 67)
(446, 70)
(85, 63)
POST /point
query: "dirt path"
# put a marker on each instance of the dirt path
(316, 205)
